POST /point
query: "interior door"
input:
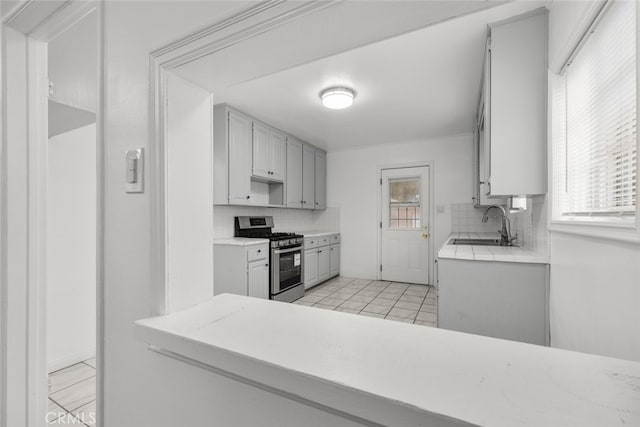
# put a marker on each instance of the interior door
(404, 228)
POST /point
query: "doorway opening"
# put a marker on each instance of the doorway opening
(71, 238)
(405, 221)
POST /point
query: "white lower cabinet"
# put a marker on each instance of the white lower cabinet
(324, 263)
(310, 268)
(241, 269)
(506, 300)
(258, 279)
(335, 259)
(321, 259)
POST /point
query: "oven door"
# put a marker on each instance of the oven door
(287, 268)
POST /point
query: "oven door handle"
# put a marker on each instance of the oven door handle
(286, 251)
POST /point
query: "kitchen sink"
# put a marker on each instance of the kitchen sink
(478, 242)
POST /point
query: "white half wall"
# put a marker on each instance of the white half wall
(595, 283)
(71, 247)
(353, 185)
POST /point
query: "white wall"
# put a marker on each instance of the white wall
(71, 247)
(353, 185)
(142, 388)
(595, 283)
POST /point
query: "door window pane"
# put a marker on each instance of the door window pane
(404, 203)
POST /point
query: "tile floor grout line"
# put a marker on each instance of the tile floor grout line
(71, 385)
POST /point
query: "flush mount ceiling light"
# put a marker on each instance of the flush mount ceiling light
(337, 98)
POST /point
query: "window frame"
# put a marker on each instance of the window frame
(612, 227)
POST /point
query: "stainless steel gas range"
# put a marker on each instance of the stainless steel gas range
(286, 258)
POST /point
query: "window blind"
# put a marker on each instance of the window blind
(598, 157)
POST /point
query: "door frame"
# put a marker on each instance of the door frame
(430, 210)
(44, 24)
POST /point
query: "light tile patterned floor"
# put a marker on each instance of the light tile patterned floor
(402, 302)
(72, 394)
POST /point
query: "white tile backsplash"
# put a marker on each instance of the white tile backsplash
(287, 220)
(467, 219)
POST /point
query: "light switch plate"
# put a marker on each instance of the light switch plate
(134, 171)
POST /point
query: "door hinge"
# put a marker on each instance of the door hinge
(380, 267)
(380, 181)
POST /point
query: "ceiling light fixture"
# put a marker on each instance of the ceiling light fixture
(337, 98)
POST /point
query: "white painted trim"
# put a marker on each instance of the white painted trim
(58, 21)
(37, 211)
(430, 164)
(101, 166)
(3, 236)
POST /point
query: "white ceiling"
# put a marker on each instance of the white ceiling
(418, 85)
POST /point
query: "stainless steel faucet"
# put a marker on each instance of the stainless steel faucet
(505, 232)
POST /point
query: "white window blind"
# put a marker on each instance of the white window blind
(594, 121)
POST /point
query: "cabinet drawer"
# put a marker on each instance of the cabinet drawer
(334, 238)
(311, 242)
(324, 241)
(255, 253)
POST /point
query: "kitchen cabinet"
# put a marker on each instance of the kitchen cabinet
(511, 121)
(308, 176)
(269, 155)
(320, 168)
(334, 263)
(321, 258)
(258, 165)
(310, 268)
(507, 300)
(241, 268)
(258, 279)
(294, 173)
(324, 263)
(239, 138)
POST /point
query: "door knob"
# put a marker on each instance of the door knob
(425, 235)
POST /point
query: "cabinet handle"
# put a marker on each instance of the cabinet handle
(248, 197)
(259, 250)
(266, 265)
(319, 252)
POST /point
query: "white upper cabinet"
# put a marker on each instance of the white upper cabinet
(308, 177)
(261, 151)
(515, 100)
(255, 164)
(278, 149)
(239, 158)
(294, 173)
(268, 153)
(320, 180)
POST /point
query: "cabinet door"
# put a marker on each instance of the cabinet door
(294, 173)
(310, 268)
(239, 158)
(261, 151)
(308, 177)
(258, 279)
(278, 155)
(321, 180)
(324, 261)
(334, 262)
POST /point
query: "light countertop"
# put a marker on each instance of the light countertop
(392, 373)
(317, 233)
(240, 241)
(489, 253)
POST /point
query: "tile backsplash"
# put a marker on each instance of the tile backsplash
(288, 220)
(465, 218)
